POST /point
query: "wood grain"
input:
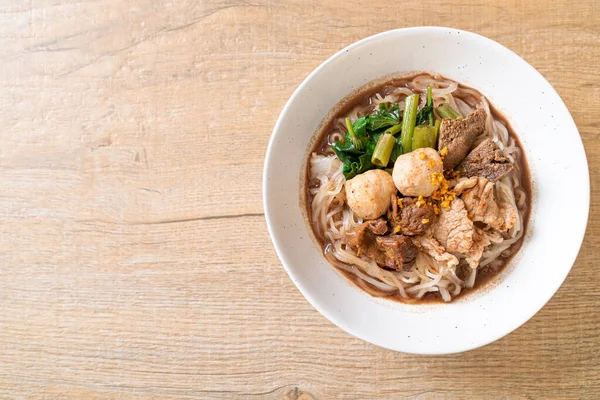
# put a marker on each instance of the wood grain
(124, 195)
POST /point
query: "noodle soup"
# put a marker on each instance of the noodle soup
(417, 189)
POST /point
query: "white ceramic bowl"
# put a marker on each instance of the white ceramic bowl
(556, 158)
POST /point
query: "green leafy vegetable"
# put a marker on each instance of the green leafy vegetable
(346, 146)
(387, 114)
(360, 126)
(355, 160)
(430, 104)
(354, 164)
(425, 115)
(360, 142)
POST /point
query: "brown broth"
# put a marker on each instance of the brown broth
(362, 96)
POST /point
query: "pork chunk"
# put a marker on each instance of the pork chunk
(486, 161)
(405, 217)
(400, 252)
(391, 251)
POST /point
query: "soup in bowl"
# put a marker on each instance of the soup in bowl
(417, 188)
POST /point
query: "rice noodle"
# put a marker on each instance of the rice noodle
(332, 218)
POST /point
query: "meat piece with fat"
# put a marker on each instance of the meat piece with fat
(457, 234)
(486, 161)
(405, 217)
(433, 248)
(478, 196)
(391, 251)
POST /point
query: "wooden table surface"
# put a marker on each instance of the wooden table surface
(135, 258)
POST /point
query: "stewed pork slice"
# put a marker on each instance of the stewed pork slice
(486, 161)
(481, 205)
(407, 218)
(400, 252)
(432, 247)
(391, 251)
(457, 234)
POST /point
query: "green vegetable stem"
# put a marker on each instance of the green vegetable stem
(355, 139)
(409, 121)
(446, 111)
(424, 136)
(383, 150)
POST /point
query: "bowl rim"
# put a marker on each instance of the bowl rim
(301, 286)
